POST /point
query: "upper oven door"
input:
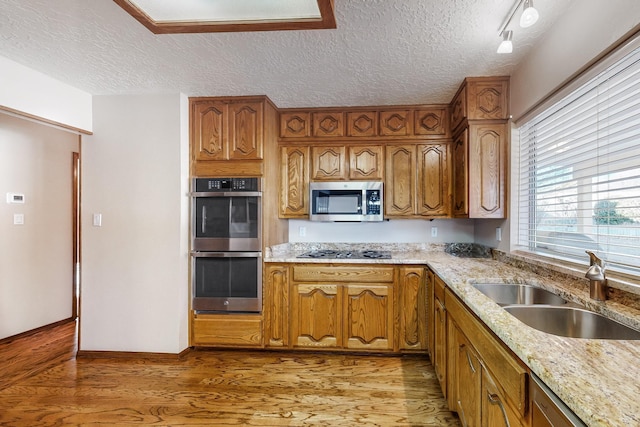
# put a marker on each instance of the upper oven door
(226, 221)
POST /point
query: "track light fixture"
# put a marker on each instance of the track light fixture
(529, 14)
(506, 46)
(529, 17)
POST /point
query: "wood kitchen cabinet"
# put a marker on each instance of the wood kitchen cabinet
(347, 162)
(479, 170)
(359, 307)
(417, 180)
(349, 307)
(479, 123)
(487, 385)
(222, 330)
(228, 134)
(413, 300)
(329, 163)
(294, 182)
(480, 98)
(276, 305)
(373, 124)
(439, 356)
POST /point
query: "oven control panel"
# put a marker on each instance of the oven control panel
(227, 184)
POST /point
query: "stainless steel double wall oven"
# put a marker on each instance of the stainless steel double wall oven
(226, 245)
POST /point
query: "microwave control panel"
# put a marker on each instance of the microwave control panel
(373, 202)
(227, 184)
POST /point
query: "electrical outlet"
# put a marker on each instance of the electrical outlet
(302, 231)
(434, 231)
(97, 220)
(499, 234)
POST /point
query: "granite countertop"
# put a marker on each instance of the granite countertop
(596, 378)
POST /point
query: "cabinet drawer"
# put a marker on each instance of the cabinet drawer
(511, 377)
(332, 273)
(226, 330)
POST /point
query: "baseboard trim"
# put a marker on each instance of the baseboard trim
(131, 355)
(36, 330)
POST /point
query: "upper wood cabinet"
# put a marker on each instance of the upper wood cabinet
(417, 180)
(228, 135)
(479, 170)
(294, 182)
(370, 123)
(479, 121)
(328, 163)
(366, 162)
(227, 129)
(481, 98)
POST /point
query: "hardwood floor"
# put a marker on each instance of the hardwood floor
(43, 384)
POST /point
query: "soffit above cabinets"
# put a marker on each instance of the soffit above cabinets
(210, 16)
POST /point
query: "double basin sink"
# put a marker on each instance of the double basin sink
(550, 313)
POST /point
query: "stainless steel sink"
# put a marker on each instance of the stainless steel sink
(515, 293)
(572, 322)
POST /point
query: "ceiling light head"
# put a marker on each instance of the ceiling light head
(529, 15)
(506, 46)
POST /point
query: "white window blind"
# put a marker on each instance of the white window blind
(580, 171)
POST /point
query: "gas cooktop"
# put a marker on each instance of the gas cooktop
(332, 254)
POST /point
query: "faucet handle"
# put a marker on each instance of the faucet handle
(594, 260)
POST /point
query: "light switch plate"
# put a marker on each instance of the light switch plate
(18, 219)
(97, 220)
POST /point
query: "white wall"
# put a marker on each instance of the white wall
(36, 263)
(29, 91)
(587, 29)
(135, 266)
(393, 231)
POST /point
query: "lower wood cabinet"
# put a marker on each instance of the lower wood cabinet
(345, 307)
(480, 379)
(226, 330)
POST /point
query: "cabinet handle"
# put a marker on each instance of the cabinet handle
(494, 399)
(473, 369)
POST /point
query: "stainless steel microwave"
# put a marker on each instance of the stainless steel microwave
(346, 201)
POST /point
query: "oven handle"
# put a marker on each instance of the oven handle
(227, 194)
(199, 254)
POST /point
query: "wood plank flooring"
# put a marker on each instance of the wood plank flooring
(43, 384)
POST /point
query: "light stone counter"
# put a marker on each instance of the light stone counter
(597, 379)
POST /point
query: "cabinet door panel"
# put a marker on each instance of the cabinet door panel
(366, 162)
(495, 410)
(294, 181)
(433, 186)
(469, 383)
(316, 315)
(432, 122)
(400, 173)
(362, 123)
(369, 317)
(328, 163)
(460, 180)
(487, 157)
(209, 130)
(440, 345)
(245, 131)
(328, 124)
(277, 306)
(295, 124)
(413, 311)
(396, 123)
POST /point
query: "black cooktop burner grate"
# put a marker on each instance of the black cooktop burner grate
(335, 254)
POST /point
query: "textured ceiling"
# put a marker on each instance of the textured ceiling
(383, 51)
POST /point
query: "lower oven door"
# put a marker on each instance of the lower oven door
(227, 281)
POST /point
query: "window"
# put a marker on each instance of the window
(579, 166)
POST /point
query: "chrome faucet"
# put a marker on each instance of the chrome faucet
(597, 279)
